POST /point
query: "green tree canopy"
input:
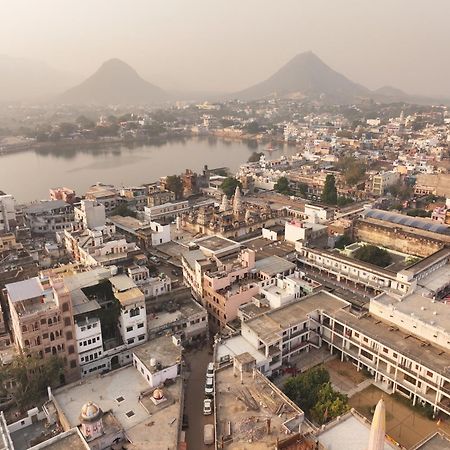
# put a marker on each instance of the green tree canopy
(353, 169)
(282, 186)
(303, 189)
(228, 186)
(174, 183)
(313, 392)
(329, 193)
(252, 127)
(32, 376)
(255, 156)
(374, 255)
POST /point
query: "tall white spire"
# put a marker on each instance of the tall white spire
(237, 201)
(378, 428)
(225, 205)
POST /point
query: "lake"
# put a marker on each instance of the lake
(28, 175)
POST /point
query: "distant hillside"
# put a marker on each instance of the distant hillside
(25, 79)
(115, 82)
(306, 75)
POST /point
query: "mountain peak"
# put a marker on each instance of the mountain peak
(307, 76)
(114, 82)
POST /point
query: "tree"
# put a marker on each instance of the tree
(228, 186)
(282, 186)
(255, 156)
(252, 127)
(303, 189)
(343, 241)
(67, 128)
(313, 392)
(343, 201)
(303, 389)
(32, 375)
(174, 183)
(353, 170)
(85, 123)
(374, 255)
(329, 193)
(330, 404)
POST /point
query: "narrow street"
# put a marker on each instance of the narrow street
(193, 404)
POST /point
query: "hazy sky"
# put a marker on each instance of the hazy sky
(227, 45)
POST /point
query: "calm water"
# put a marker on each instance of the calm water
(29, 175)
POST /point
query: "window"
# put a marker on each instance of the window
(69, 336)
(141, 337)
(73, 364)
(129, 329)
(65, 307)
(71, 349)
(140, 325)
(67, 322)
(134, 312)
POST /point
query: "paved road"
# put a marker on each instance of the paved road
(198, 361)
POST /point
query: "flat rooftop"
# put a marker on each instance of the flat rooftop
(272, 265)
(265, 247)
(351, 432)
(421, 308)
(249, 424)
(130, 296)
(269, 326)
(390, 336)
(162, 349)
(216, 244)
(235, 346)
(71, 440)
(24, 290)
(437, 441)
(122, 282)
(130, 224)
(124, 392)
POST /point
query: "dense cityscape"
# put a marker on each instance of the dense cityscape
(264, 269)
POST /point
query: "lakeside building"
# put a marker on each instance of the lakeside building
(7, 212)
(51, 216)
(63, 193)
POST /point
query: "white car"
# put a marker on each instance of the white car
(209, 386)
(210, 370)
(207, 407)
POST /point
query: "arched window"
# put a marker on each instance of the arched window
(27, 343)
(52, 336)
(24, 328)
(49, 321)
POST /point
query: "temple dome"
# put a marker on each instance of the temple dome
(90, 412)
(158, 394)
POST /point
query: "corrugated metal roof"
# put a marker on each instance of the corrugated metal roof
(414, 222)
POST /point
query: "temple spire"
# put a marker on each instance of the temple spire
(225, 205)
(378, 429)
(237, 201)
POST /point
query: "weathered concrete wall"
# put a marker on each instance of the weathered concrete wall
(396, 238)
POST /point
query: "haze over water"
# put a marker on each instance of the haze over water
(29, 175)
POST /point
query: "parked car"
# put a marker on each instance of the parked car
(207, 406)
(209, 386)
(208, 434)
(154, 259)
(210, 370)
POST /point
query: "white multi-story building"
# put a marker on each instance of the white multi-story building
(88, 334)
(133, 314)
(166, 210)
(407, 354)
(90, 214)
(150, 286)
(7, 212)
